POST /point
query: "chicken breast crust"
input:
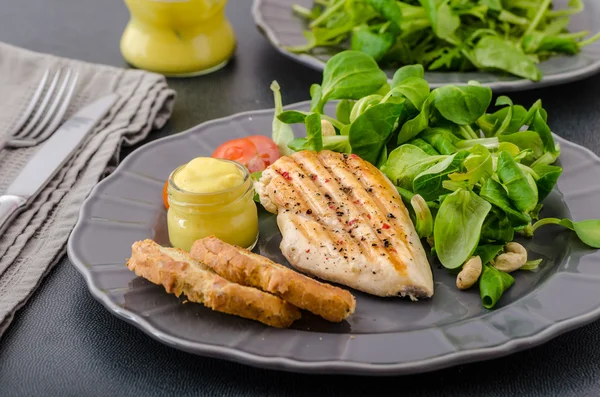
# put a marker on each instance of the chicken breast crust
(342, 220)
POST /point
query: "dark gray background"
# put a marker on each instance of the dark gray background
(65, 343)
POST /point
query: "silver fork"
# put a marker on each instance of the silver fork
(45, 111)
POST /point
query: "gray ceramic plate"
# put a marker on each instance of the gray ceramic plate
(282, 28)
(384, 336)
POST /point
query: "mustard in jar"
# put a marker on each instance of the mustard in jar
(211, 197)
(178, 37)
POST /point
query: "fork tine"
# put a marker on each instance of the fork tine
(31, 106)
(41, 109)
(61, 102)
(59, 115)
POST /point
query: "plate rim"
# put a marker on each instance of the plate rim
(339, 366)
(497, 86)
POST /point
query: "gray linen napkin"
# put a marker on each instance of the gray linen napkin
(36, 240)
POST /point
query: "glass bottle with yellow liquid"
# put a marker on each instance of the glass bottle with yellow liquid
(178, 37)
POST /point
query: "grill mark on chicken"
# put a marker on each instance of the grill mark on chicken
(382, 216)
(312, 202)
(371, 204)
(341, 213)
(399, 214)
(350, 224)
(368, 223)
(337, 207)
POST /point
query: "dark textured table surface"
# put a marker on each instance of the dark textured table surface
(65, 343)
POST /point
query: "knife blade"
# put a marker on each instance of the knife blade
(51, 157)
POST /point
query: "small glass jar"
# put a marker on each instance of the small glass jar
(178, 38)
(230, 215)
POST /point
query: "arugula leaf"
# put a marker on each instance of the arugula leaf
(371, 43)
(443, 21)
(495, 5)
(495, 53)
(388, 9)
(540, 42)
(511, 36)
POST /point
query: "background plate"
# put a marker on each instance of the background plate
(384, 336)
(276, 21)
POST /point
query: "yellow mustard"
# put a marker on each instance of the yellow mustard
(178, 37)
(211, 197)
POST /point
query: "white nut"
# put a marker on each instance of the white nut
(327, 128)
(513, 258)
(470, 273)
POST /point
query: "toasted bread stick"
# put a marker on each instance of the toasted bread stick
(247, 268)
(179, 273)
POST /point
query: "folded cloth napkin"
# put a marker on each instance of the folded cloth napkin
(36, 240)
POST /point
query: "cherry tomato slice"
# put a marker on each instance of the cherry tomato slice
(266, 148)
(165, 195)
(255, 152)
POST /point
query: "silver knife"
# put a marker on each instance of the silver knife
(51, 157)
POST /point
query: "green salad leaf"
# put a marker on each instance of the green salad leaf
(504, 37)
(457, 227)
(471, 177)
(282, 133)
(371, 130)
(462, 105)
(519, 190)
(588, 231)
(495, 53)
(492, 284)
(406, 162)
(349, 75)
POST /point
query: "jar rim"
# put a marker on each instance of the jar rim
(245, 174)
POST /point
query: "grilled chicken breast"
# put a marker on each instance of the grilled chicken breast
(179, 273)
(342, 220)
